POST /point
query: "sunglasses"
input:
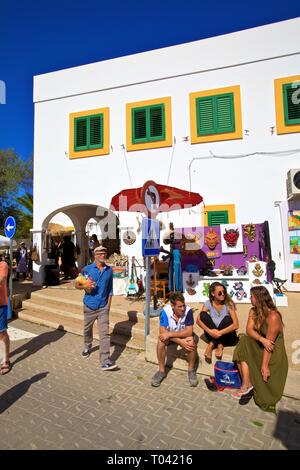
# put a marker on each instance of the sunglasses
(221, 292)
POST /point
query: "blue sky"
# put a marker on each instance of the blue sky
(41, 36)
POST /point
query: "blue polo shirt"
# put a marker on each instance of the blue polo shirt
(168, 320)
(98, 298)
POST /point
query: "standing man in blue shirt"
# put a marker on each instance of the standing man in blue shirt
(96, 301)
(176, 325)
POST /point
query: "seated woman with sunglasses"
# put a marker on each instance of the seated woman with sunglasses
(218, 319)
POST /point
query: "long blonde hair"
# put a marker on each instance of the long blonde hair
(264, 304)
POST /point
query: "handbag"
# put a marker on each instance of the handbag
(226, 375)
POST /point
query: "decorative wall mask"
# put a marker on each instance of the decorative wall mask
(129, 237)
(206, 286)
(257, 271)
(190, 243)
(211, 239)
(190, 281)
(238, 291)
(250, 232)
(242, 271)
(231, 237)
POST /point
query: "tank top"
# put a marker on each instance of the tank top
(216, 316)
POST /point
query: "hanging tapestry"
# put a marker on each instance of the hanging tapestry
(295, 245)
(294, 220)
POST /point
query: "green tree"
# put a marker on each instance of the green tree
(25, 217)
(15, 178)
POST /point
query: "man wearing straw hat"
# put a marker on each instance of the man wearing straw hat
(97, 281)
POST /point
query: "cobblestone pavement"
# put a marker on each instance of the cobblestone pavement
(55, 399)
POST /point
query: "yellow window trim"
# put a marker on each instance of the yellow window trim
(281, 127)
(167, 142)
(227, 207)
(93, 152)
(237, 134)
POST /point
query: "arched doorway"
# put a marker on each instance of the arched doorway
(80, 215)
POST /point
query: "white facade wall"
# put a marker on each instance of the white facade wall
(251, 59)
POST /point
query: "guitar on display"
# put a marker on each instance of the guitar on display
(132, 286)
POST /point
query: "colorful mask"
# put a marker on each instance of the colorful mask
(231, 237)
(211, 239)
(250, 232)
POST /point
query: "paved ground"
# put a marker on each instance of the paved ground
(54, 399)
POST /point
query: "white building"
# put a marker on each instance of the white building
(222, 96)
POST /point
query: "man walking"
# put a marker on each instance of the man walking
(176, 325)
(98, 285)
(5, 365)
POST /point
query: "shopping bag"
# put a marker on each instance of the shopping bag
(226, 375)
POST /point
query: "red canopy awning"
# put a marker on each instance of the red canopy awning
(170, 199)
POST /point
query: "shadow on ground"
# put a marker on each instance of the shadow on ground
(13, 394)
(287, 429)
(36, 343)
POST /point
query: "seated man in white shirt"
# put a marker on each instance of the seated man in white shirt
(176, 325)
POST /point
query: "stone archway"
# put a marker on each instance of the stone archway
(79, 214)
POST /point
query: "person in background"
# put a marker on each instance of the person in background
(261, 354)
(67, 253)
(97, 281)
(22, 262)
(5, 365)
(218, 319)
(176, 325)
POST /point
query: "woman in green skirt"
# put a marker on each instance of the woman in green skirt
(261, 355)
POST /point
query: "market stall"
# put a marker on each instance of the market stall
(232, 254)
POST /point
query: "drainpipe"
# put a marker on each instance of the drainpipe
(278, 204)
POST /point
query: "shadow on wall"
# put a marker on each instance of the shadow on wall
(123, 328)
(287, 429)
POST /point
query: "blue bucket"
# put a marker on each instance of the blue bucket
(227, 375)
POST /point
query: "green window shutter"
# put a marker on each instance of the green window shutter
(80, 134)
(217, 218)
(291, 99)
(205, 116)
(96, 131)
(139, 124)
(225, 113)
(148, 123)
(215, 114)
(157, 122)
(88, 132)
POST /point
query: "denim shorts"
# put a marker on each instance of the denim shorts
(3, 318)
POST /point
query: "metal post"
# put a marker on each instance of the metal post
(147, 310)
(10, 276)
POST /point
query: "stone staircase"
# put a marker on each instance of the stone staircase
(63, 309)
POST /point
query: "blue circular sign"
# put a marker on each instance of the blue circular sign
(10, 227)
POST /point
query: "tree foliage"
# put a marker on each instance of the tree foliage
(15, 178)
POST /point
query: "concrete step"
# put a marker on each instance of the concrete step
(76, 327)
(122, 333)
(72, 305)
(127, 326)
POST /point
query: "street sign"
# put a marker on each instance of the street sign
(150, 237)
(10, 227)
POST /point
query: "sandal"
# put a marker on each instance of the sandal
(5, 367)
(208, 358)
(219, 353)
(243, 394)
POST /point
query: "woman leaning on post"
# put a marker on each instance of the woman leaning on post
(218, 319)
